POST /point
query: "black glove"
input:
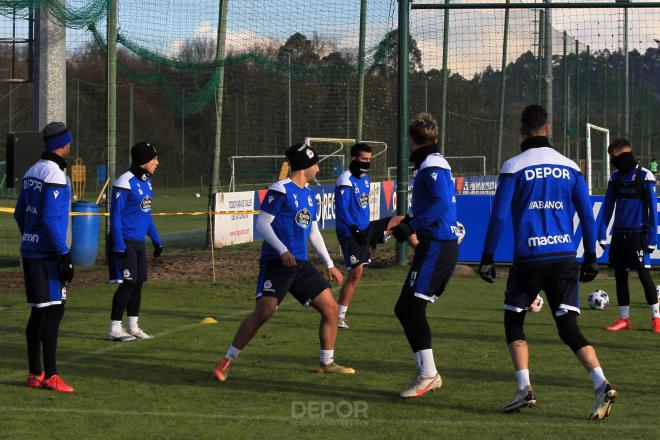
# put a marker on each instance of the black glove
(66, 267)
(487, 268)
(403, 230)
(589, 267)
(158, 250)
(359, 236)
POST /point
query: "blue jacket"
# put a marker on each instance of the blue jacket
(542, 190)
(294, 209)
(635, 209)
(351, 203)
(130, 211)
(42, 209)
(433, 206)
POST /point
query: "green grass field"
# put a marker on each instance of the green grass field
(163, 388)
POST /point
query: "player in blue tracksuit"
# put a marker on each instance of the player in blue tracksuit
(632, 189)
(130, 223)
(287, 220)
(42, 215)
(355, 230)
(433, 219)
(542, 190)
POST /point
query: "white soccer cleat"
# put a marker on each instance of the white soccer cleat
(605, 395)
(139, 333)
(420, 385)
(342, 323)
(524, 398)
(120, 335)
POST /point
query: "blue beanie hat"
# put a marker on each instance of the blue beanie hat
(56, 135)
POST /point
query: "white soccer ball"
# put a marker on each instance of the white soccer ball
(460, 232)
(598, 300)
(537, 305)
(198, 195)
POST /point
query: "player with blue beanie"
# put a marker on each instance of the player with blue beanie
(42, 215)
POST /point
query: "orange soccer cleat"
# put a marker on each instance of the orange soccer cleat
(222, 369)
(34, 380)
(655, 325)
(619, 324)
(56, 383)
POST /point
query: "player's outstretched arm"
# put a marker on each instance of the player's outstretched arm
(316, 239)
(503, 195)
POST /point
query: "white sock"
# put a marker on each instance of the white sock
(132, 322)
(523, 379)
(115, 326)
(624, 311)
(427, 363)
(232, 353)
(342, 311)
(597, 377)
(327, 356)
(655, 310)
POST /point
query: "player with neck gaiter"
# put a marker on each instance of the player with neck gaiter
(130, 223)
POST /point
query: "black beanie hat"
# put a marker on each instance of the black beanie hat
(301, 157)
(143, 152)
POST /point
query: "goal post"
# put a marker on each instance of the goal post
(606, 162)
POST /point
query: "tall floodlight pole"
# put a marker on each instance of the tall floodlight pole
(402, 159)
(566, 117)
(214, 183)
(626, 74)
(577, 102)
(445, 79)
(500, 128)
(548, 66)
(361, 58)
(131, 121)
(288, 53)
(183, 139)
(77, 139)
(539, 59)
(112, 96)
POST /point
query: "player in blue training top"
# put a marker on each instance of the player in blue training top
(542, 190)
(42, 214)
(130, 223)
(355, 232)
(287, 219)
(632, 189)
(433, 220)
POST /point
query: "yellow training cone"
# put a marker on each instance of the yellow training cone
(209, 320)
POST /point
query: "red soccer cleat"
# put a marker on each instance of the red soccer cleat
(655, 325)
(35, 381)
(222, 369)
(56, 383)
(619, 324)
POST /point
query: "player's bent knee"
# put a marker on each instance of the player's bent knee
(569, 332)
(355, 273)
(513, 326)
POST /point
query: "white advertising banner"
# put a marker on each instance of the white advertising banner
(233, 228)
